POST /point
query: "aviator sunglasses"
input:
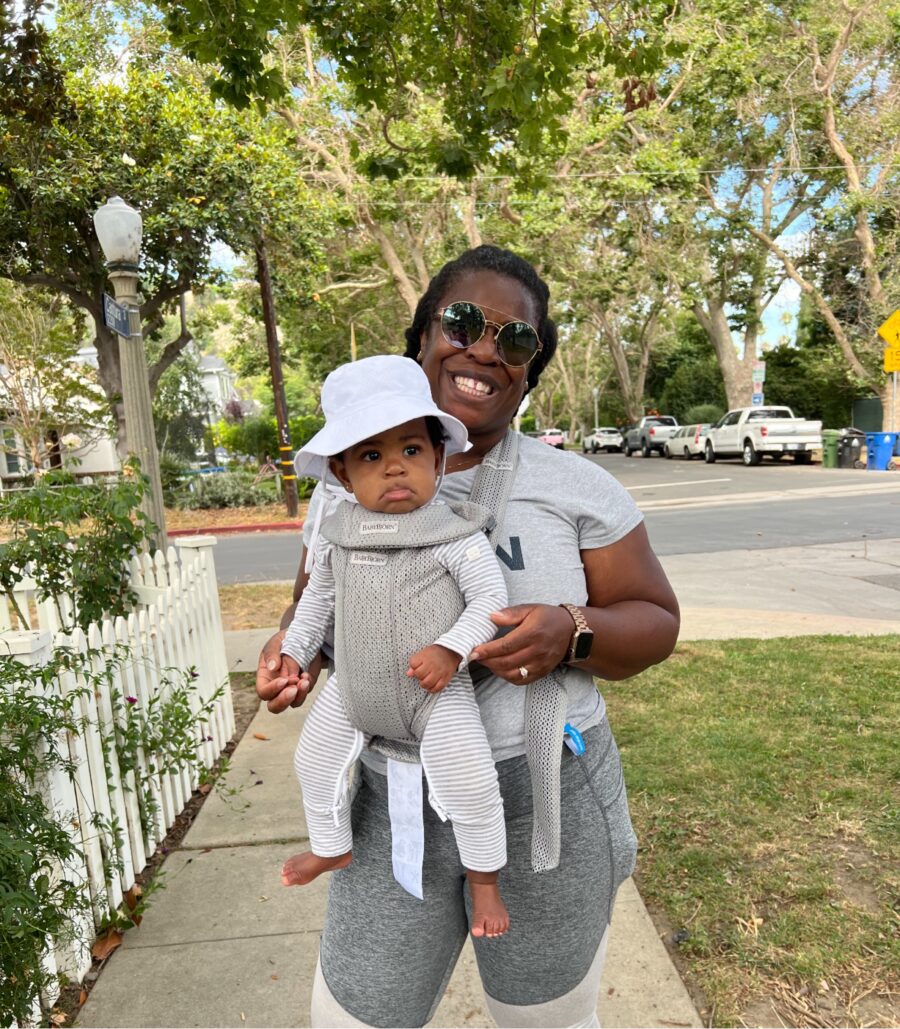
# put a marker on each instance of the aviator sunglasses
(464, 323)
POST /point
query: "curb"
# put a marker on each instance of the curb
(225, 530)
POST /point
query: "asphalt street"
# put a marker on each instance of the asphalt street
(690, 507)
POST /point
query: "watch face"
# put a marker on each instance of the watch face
(583, 643)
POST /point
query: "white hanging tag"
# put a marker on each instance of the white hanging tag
(407, 827)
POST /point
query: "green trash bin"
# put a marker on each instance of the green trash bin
(830, 439)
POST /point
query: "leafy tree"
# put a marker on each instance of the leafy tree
(48, 397)
(144, 128)
(812, 377)
(508, 71)
(806, 137)
(683, 371)
(180, 407)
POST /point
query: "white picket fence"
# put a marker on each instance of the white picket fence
(175, 626)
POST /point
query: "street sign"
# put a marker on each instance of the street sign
(890, 331)
(115, 316)
(756, 399)
(892, 359)
(759, 372)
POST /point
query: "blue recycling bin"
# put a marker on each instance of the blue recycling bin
(881, 447)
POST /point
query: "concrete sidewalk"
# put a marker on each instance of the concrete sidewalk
(223, 944)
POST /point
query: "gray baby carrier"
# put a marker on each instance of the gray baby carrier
(410, 601)
(545, 699)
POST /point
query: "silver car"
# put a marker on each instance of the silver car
(686, 442)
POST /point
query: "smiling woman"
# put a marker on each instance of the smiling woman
(587, 598)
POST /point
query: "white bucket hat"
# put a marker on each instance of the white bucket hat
(366, 397)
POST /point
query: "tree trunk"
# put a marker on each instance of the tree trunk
(109, 372)
(736, 371)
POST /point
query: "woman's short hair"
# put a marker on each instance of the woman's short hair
(489, 259)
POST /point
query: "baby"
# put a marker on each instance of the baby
(409, 583)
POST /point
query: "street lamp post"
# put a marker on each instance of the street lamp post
(118, 228)
(596, 392)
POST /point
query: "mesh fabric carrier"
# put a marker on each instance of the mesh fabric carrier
(410, 599)
(546, 701)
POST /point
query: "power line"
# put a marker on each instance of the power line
(614, 174)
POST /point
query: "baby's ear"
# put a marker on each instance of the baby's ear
(339, 471)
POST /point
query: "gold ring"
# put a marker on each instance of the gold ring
(523, 671)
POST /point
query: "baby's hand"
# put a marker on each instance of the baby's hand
(295, 676)
(289, 668)
(434, 667)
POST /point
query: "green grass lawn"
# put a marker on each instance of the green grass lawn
(763, 780)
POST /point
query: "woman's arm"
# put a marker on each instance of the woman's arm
(631, 610)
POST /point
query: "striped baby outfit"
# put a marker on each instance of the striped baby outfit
(393, 584)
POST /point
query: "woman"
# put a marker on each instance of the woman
(570, 536)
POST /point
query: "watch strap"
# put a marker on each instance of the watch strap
(581, 626)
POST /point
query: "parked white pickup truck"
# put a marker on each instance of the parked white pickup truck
(753, 432)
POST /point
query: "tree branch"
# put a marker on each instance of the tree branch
(82, 300)
(170, 354)
(166, 293)
(361, 285)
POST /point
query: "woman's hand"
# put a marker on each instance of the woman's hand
(274, 682)
(537, 643)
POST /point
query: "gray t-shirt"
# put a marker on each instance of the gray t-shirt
(560, 505)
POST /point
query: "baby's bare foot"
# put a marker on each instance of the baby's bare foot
(303, 868)
(489, 915)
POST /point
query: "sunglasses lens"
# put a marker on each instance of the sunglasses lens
(517, 343)
(462, 324)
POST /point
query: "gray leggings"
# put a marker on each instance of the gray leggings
(387, 957)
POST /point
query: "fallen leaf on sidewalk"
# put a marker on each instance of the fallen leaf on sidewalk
(58, 1018)
(106, 943)
(131, 898)
(260, 736)
(82, 998)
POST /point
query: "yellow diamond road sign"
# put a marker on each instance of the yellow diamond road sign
(890, 331)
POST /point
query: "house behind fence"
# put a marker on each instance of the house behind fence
(175, 628)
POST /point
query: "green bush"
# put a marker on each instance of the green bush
(79, 541)
(38, 899)
(703, 413)
(172, 473)
(258, 437)
(225, 489)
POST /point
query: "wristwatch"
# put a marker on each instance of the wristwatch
(582, 639)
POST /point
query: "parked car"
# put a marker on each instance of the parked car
(625, 430)
(650, 434)
(753, 432)
(552, 437)
(602, 437)
(687, 442)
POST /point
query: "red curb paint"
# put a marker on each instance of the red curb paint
(226, 530)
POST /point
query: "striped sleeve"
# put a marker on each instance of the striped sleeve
(477, 572)
(315, 611)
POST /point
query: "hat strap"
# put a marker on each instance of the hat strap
(331, 496)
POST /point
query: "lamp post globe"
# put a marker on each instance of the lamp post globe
(118, 229)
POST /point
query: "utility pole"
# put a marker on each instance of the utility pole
(286, 454)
